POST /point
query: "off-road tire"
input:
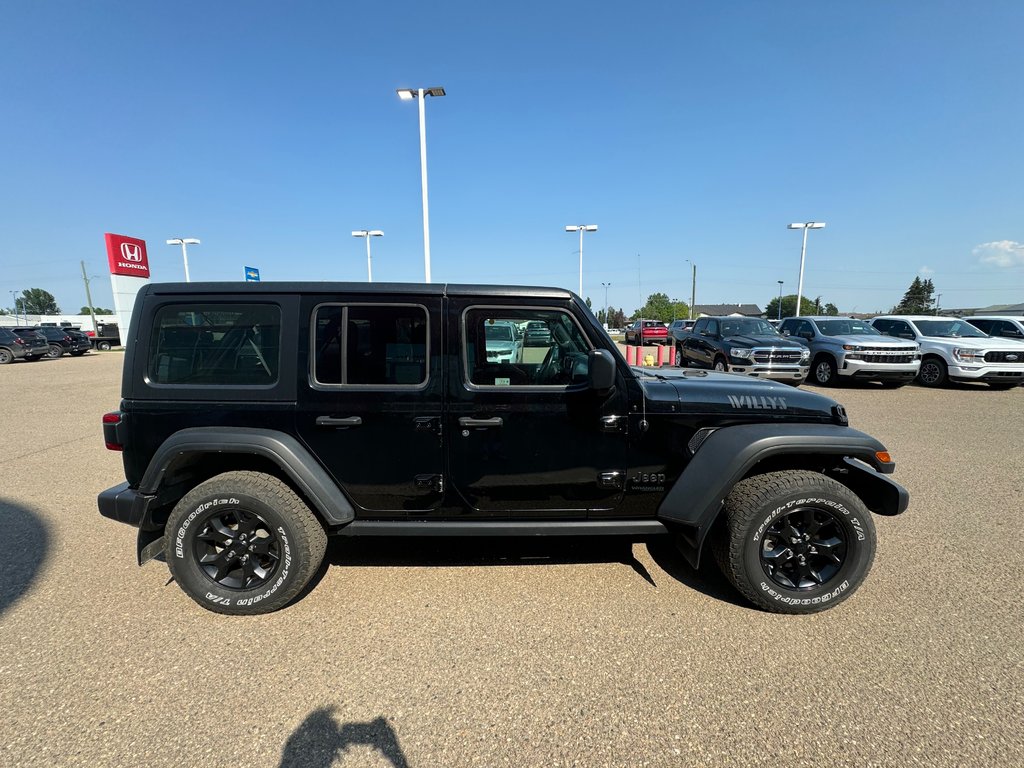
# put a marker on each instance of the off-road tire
(300, 541)
(6, 356)
(824, 371)
(759, 502)
(934, 372)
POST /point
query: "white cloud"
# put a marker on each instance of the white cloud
(926, 271)
(1001, 253)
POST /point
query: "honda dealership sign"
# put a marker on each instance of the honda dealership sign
(129, 271)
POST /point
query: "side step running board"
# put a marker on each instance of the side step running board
(502, 528)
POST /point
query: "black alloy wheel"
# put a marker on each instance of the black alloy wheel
(237, 549)
(803, 549)
(933, 372)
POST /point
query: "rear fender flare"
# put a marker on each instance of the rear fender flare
(729, 453)
(328, 502)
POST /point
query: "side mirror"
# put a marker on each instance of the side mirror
(785, 333)
(601, 370)
(806, 335)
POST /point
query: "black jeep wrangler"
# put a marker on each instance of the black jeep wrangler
(258, 421)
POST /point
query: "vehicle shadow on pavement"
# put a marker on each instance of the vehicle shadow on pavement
(444, 551)
(320, 740)
(707, 579)
(24, 546)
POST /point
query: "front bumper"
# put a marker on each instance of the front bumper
(987, 373)
(859, 369)
(773, 372)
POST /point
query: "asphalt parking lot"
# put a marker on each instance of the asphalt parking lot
(512, 653)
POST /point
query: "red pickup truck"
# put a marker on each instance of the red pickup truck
(653, 332)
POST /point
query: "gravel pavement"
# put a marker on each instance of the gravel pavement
(512, 653)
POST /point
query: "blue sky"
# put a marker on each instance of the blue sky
(684, 130)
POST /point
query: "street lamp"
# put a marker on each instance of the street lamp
(581, 228)
(780, 298)
(408, 94)
(368, 233)
(693, 286)
(803, 251)
(14, 306)
(607, 323)
(184, 242)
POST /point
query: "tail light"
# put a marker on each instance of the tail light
(90, 333)
(19, 341)
(67, 338)
(111, 421)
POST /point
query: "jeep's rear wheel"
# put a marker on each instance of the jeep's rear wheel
(795, 541)
(243, 543)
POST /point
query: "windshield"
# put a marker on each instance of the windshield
(499, 332)
(747, 326)
(948, 328)
(845, 328)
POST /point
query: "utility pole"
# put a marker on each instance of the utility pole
(14, 302)
(693, 286)
(88, 297)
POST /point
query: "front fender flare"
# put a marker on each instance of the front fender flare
(729, 453)
(284, 450)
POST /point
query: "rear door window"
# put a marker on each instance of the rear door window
(370, 345)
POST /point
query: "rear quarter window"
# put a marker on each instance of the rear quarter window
(215, 345)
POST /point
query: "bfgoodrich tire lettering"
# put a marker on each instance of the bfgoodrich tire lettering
(243, 543)
(819, 531)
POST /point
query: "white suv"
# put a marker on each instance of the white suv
(952, 349)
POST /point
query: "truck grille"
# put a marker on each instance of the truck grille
(890, 350)
(1004, 357)
(777, 356)
(869, 358)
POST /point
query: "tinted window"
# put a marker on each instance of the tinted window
(215, 344)
(552, 352)
(982, 325)
(845, 327)
(370, 345)
(747, 326)
(948, 328)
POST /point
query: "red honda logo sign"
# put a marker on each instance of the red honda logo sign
(127, 255)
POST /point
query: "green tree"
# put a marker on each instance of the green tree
(36, 301)
(918, 300)
(97, 310)
(660, 307)
(831, 309)
(807, 307)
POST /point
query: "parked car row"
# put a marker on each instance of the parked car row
(30, 343)
(827, 350)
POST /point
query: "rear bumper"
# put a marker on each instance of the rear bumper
(126, 505)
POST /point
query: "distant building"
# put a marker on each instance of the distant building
(723, 310)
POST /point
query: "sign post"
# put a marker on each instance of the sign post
(252, 275)
(129, 271)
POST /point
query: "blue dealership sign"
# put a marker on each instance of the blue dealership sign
(252, 275)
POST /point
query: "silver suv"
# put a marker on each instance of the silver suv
(842, 347)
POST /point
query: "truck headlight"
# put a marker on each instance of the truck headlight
(805, 354)
(968, 355)
(742, 353)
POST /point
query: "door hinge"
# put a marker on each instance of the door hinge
(433, 483)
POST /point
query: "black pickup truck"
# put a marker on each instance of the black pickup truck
(746, 345)
(256, 422)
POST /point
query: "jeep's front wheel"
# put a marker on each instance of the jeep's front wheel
(243, 543)
(795, 541)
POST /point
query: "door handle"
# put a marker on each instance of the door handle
(469, 421)
(612, 423)
(331, 421)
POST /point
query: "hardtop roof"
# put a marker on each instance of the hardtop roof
(370, 289)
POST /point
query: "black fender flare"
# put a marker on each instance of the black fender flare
(729, 453)
(285, 451)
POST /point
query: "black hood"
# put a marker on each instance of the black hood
(760, 341)
(723, 395)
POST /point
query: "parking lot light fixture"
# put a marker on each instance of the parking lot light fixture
(408, 94)
(184, 242)
(581, 228)
(780, 298)
(803, 252)
(368, 233)
(693, 285)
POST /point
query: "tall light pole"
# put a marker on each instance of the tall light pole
(368, 233)
(607, 323)
(184, 242)
(780, 298)
(693, 286)
(803, 252)
(408, 94)
(581, 228)
(14, 306)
